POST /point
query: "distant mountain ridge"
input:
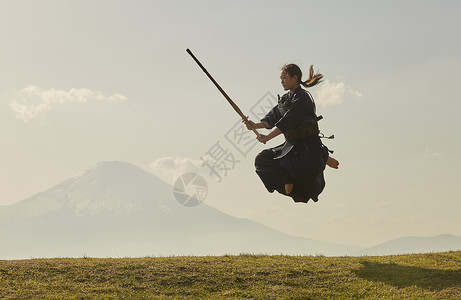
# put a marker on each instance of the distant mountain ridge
(415, 244)
(118, 209)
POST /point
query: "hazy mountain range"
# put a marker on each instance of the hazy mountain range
(415, 244)
(116, 209)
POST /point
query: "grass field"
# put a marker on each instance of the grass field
(422, 276)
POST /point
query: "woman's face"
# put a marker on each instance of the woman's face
(288, 82)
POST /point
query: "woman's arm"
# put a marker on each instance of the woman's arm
(262, 137)
(265, 138)
(250, 125)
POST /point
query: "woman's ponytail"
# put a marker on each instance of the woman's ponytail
(313, 79)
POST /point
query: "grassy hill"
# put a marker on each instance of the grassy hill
(422, 276)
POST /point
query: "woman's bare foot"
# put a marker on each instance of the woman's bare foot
(288, 188)
(331, 162)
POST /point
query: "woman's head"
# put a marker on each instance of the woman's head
(291, 77)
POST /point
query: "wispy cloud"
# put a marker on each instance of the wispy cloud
(329, 93)
(170, 168)
(32, 102)
(428, 152)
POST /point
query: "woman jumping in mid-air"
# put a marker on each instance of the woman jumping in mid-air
(295, 168)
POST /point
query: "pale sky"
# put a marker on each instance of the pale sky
(88, 81)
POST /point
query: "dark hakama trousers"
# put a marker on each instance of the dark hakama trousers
(302, 166)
